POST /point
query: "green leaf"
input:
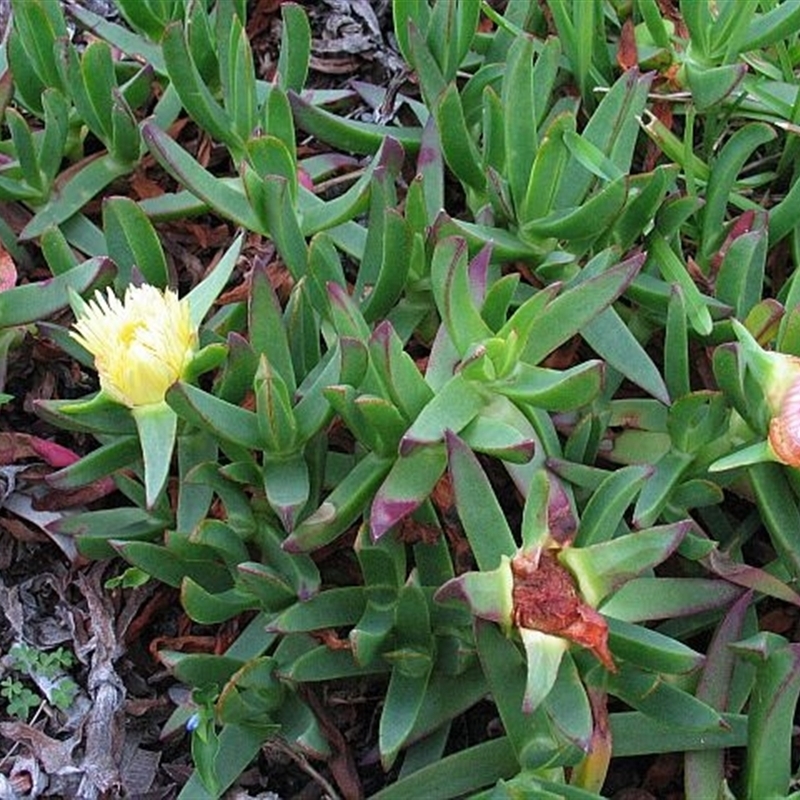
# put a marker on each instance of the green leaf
(274, 410)
(25, 149)
(157, 425)
(455, 405)
(771, 713)
(588, 221)
(650, 649)
(662, 701)
(712, 85)
(132, 242)
(741, 276)
(458, 148)
(504, 667)
(394, 265)
(543, 653)
(266, 330)
(553, 390)
(38, 26)
(778, 508)
(148, 17)
(195, 96)
(227, 199)
(237, 746)
(566, 315)
(605, 509)
(35, 301)
(271, 198)
(399, 375)
(349, 135)
(519, 109)
(404, 698)
(75, 194)
(121, 37)
(287, 488)
(219, 417)
(341, 507)
(403, 12)
(334, 608)
(768, 28)
(457, 774)
(602, 567)
(205, 294)
(725, 171)
(93, 529)
(634, 733)
(667, 474)
(484, 521)
(237, 74)
(450, 32)
(676, 273)
(209, 608)
(644, 599)
(613, 129)
(295, 49)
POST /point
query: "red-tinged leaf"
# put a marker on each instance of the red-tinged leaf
(722, 564)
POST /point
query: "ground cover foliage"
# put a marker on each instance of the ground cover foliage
(435, 431)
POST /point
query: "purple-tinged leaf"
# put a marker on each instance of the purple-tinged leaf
(770, 722)
(478, 272)
(341, 508)
(495, 437)
(721, 564)
(704, 771)
(454, 292)
(409, 482)
(397, 371)
(565, 315)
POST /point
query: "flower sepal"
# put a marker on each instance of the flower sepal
(774, 372)
(757, 453)
(157, 425)
(489, 594)
(96, 414)
(98, 402)
(543, 652)
(204, 360)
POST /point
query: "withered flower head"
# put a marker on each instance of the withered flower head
(546, 599)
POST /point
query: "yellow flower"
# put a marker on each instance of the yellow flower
(141, 344)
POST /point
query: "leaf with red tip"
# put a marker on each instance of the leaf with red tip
(409, 482)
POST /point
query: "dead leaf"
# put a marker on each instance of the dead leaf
(627, 55)
(54, 755)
